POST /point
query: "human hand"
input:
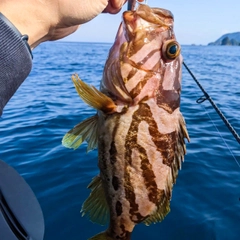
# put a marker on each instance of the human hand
(74, 13)
(44, 20)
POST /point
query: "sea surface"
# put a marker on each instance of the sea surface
(206, 198)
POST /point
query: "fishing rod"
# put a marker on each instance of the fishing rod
(207, 97)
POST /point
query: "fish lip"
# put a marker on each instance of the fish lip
(162, 12)
(157, 16)
(129, 20)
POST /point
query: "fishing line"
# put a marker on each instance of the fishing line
(226, 122)
(222, 137)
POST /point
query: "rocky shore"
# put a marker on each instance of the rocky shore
(229, 39)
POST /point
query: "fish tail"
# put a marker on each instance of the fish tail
(101, 236)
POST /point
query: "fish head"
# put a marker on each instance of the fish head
(145, 60)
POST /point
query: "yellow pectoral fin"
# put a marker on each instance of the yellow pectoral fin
(93, 97)
(86, 130)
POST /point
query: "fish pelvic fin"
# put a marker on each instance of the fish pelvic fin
(93, 97)
(84, 131)
(101, 236)
(95, 207)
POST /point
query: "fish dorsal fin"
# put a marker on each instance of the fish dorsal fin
(86, 130)
(95, 206)
(93, 97)
(180, 149)
(183, 128)
(163, 207)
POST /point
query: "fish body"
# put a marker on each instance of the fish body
(139, 129)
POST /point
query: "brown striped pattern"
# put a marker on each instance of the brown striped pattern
(139, 86)
(164, 144)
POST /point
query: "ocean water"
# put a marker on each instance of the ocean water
(206, 198)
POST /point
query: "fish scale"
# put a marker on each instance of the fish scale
(139, 129)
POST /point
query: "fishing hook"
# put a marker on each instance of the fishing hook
(132, 4)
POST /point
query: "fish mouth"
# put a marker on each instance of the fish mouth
(147, 16)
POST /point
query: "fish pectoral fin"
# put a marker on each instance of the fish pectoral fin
(95, 206)
(93, 97)
(84, 131)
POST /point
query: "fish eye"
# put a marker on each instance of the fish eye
(171, 49)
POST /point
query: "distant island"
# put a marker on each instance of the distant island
(230, 39)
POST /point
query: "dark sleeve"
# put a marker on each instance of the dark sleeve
(15, 60)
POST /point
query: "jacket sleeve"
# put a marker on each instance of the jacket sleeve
(15, 60)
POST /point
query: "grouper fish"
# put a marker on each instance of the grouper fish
(138, 128)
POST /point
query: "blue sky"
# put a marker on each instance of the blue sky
(196, 22)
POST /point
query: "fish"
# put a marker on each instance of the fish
(138, 128)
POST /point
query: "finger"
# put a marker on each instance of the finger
(117, 4)
(110, 9)
(114, 6)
